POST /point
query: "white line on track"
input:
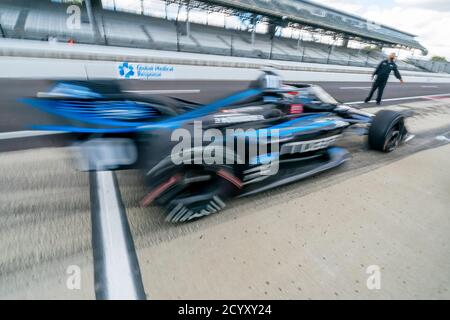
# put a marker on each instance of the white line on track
(429, 86)
(443, 138)
(26, 134)
(350, 88)
(113, 240)
(428, 96)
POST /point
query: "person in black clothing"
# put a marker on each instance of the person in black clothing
(382, 73)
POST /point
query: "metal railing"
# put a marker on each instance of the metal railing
(432, 66)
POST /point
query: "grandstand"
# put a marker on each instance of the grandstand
(279, 29)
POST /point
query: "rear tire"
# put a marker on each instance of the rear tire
(386, 131)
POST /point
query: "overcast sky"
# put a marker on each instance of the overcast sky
(428, 19)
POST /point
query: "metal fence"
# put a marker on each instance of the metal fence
(432, 66)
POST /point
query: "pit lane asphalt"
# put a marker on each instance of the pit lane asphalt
(46, 221)
(15, 116)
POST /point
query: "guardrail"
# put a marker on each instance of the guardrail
(37, 59)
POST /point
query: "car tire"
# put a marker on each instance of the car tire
(386, 131)
(187, 201)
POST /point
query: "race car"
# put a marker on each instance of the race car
(195, 158)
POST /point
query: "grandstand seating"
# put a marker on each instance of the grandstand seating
(8, 18)
(40, 24)
(328, 18)
(47, 20)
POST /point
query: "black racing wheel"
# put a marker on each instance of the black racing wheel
(199, 192)
(387, 130)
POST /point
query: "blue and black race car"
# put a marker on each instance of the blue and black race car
(197, 157)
